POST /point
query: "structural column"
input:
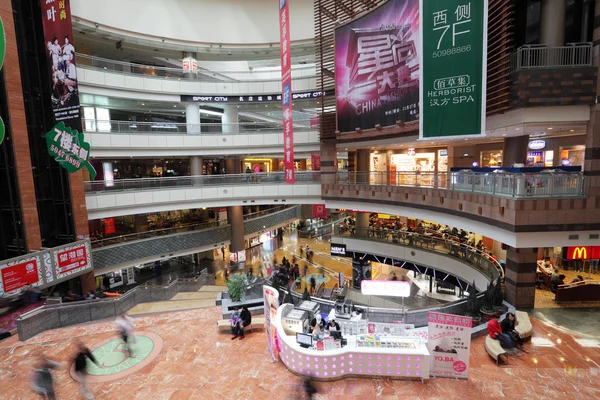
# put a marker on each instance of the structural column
(235, 217)
(515, 151)
(328, 163)
(552, 22)
(233, 165)
(362, 165)
(362, 224)
(230, 119)
(520, 277)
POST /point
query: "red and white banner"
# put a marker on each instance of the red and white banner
(319, 211)
(19, 275)
(71, 259)
(286, 91)
(315, 159)
(449, 344)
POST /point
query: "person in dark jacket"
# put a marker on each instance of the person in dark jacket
(41, 380)
(83, 353)
(508, 327)
(245, 320)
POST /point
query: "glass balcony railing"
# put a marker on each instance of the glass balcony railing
(517, 185)
(431, 241)
(200, 75)
(245, 128)
(248, 179)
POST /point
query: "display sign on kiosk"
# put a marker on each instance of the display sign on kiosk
(304, 339)
(385, 288)
(338, 250)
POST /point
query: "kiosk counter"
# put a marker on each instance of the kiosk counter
(390, 356)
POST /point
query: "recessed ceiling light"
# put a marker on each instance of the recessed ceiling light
(504, 134)
(143, 104)
(572, 130)
(516, 129)
(549, 129)
(466, 139)
(175, 106)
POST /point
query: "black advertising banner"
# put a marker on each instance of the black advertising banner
(60, 53)
(253, 98)
(377, 67)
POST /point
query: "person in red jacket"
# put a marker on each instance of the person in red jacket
(495, 332)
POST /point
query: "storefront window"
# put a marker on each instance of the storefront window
(572, 156)
(491, 159)
(442, 164)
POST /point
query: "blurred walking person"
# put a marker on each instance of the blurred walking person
(125, 329)
(83, 354)
(309, 388)
(41, 379)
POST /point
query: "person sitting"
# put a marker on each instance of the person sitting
(234, 323)
(244, 321)
(508, 327)
(91, 295)
(556, 281)
(578, 278)
(495, 332)
(394, 277)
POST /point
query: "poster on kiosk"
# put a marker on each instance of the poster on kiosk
(449, 344)
(271, 299)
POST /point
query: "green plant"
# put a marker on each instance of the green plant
(488, 298)
(236, 288)
(472, 303)
(497, 297)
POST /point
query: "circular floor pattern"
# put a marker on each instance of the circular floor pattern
(115, 361)
(318, 278)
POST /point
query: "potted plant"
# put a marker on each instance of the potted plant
(473, 306)
(488, 309)
(236, 288)
(498, 298)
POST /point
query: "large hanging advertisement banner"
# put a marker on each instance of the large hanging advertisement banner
(72, 259)
(286, 91)
(454, 63)
(19, 275)
(377, 67)
(449, 344)
(271, 300)
(60, 52)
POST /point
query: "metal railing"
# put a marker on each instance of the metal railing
(542, 56)
(200, 75)
(499, 183)
(133, 127)
(177, 229)
(432, 241)
(261, 178)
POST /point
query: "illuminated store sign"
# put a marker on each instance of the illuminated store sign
(338, 250)
(263, 98)
(583, 253)
(537, 144)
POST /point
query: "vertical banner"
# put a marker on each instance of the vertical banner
(377, 67)
(319, 211)
(58, 35)
(271, 299)
(315, 161)
(286, 91)
(454, 64)
(449, 344)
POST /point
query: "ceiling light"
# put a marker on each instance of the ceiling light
(572, 130)
(175, 106)
(516, 129)
(143, 104)
(550, 129)
(504, 134)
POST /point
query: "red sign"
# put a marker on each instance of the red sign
(286, 91)
(19, 275)
(109, 226)
(315, 122)
(315, 159)
(58, 36)
(583, 252)
(319, 211)
(69, 260)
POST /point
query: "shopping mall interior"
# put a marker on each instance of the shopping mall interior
(384, 198)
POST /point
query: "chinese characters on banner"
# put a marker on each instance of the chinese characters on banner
(454, 54)
(315, 161)
(271, 299)
(377, 67)
(19, 275)
(71, 259)
(60, 52)
(449, 344)
(69, 149)
(286, 92)
(109, 226)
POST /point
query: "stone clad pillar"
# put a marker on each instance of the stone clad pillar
(552, 22)
(363, 159)
(520, 277)
(235, 218)
(362, 224)
(515, 150)
(230, 119)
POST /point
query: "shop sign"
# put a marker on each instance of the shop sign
(253, 98)
(19, 275)
(69, 149)
(454, 62)
(109, 226)
(319, 211)
(385, 288)
(377, 67)
(58, 36)
(583, 253)
(338, 250)
(286, 90)
(412, 151)
(537, 144)
(271, 303)
(70, 259)
(443, 153)
(190, 64)
(315, 159)
(449, 343)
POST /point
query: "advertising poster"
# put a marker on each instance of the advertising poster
(69, 149)
(109, 226)
(315, 160)
(377, 67)
(19, 275)
(271, 299)
(60, 52)
(72, 259)
(319, 211)
(454, 63)
(449, 344)
(286, 90)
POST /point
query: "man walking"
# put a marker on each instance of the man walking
(125, 329)
(83, 353)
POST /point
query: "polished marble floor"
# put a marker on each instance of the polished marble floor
(198, 362)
